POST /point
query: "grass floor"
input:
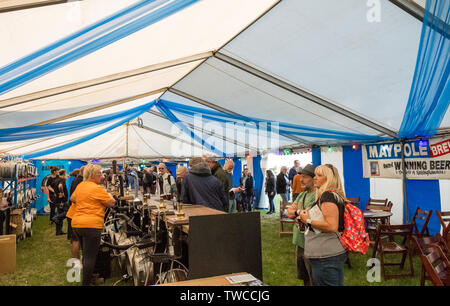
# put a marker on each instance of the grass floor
(41, 260)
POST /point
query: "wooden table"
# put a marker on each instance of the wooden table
(375, 217)
(376, 214)
(208, 281)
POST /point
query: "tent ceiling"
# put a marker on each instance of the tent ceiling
(248, 95)
(202, 27)
(325, 48)
(338, 54)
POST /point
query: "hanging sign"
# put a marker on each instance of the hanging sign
(424, 159)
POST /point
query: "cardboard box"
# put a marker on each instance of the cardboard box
(8, 253)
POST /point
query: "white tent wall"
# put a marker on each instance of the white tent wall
(334, 157)
(391, 189)
(444, 187)
(274, 162)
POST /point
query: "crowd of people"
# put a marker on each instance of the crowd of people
(319, 212)
(206, 183)
(320, 255)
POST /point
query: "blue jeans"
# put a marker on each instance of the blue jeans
(232, 206)
(271, 204)
(284, 197)
(328, 271)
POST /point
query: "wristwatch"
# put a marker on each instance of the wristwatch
(296, 213)
(308, 221)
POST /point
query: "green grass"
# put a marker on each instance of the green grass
(41, 260)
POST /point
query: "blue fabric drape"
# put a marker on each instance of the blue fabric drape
(258, 177)
(87, 41)
(429, 97)
(90, 136)
(284, 128)
(356, 185)
(237, 172)
(57, 129)
(316, 156)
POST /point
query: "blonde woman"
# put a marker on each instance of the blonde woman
(322, 244)
(90, 200)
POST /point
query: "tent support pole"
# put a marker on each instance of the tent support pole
(411, 8)
(126, 141)
(166, 135)
(93, 109)
(191, 126)
(102, 80)
(405, 192)
(418, 12)
(221, 109)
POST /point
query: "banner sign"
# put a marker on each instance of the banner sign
(424, 159)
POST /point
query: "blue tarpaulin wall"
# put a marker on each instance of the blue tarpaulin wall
(355, 184)
(316, 156)
(426, 195)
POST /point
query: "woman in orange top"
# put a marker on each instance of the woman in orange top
(90, 200)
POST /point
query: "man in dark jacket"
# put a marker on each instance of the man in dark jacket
(201, 187)
(221, 175)
(282, 186)
(247, 194)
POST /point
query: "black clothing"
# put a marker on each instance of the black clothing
(221, 175)
(65, 198)
(328, 196)
(201, 187)
(179, 183)
(281, 183)
(90, 242)
(75, 183)
(247, 194)
(44, 181)
(270, 185)
(53, 182)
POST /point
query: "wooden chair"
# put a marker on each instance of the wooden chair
(444, 218)
(391, 247)
(377, 202)
(435, 263)
(372, 225)
(423, 246)
(355, 201)
(422, 215)
(284, 219)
